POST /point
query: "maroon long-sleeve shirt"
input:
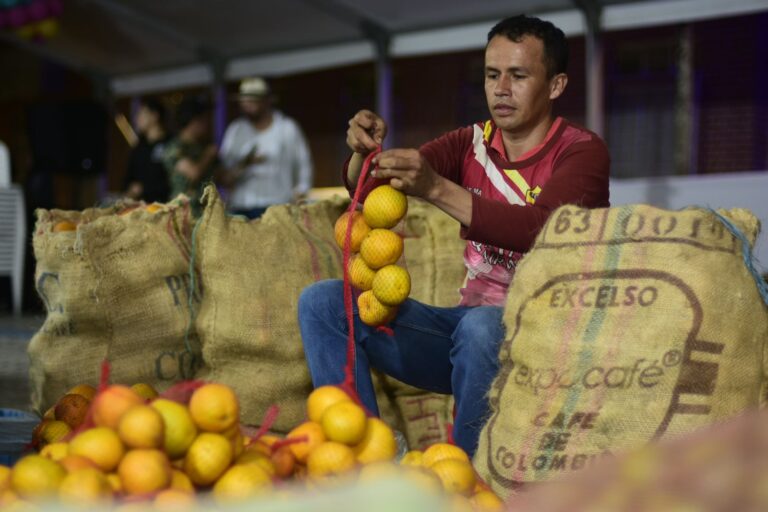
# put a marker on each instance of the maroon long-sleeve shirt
(512, 200)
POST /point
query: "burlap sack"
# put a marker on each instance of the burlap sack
(624, 325)
(118, 287)
(253, 273)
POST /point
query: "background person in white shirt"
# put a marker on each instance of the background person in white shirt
(265, 155)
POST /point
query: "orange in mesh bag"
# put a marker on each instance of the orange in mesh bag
(624, 325)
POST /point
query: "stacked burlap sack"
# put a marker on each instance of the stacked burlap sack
(624, 326)
(121, 287)
(116, 287)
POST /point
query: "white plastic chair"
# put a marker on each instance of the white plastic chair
(13, 236)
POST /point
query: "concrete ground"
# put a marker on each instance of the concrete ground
(15, 334)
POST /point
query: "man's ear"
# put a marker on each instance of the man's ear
(557, 85)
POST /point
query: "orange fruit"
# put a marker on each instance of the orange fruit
(207, 458)
(378, 443)
(85, 390)
(54, 431)
(413, 458)
(181, 482)
(214, 407)
(73, 462)
(360, 274)
(101, 445)
(115, 483)
(330, 458)
(145, 391)
(391, 285)
(486, 501)
(154, 207)
(381, 247)
(169, 500)
(283, 461)
(372, 312)
(344, 422)
(111, 404)
(180, 430)
(457, 475)
(384, 207)
(72, 409)
(5, 477)
(323, 397)
(359, 230)
(36, 477)
(144, 471)
(442, 451)
(314, 435)
(64, 225)
(85, 487)
(141, 427)
(55, 451)
(241, 482)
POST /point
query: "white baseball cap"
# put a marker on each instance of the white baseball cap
(253, 87)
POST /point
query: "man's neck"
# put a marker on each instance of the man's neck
(262, 122)
(517, 144)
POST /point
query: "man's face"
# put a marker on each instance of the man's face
(144, 119)
(254, 107)
(518, 92)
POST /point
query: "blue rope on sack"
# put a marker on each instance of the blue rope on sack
(746, 253)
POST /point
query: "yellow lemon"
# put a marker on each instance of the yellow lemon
(241, 482)
(391, 285)
(378, 443)
(413, 458)
(372, 312)
(344, 422)
(457, 475)
(55, 451)
(207, 458)
(442, 451)
(142, 427)
(381, 247)
(359, 230)
(180, 430)
(384, 207)
(101, 445)
(145, 391)
(86, 486)
(330, 458)
(360, 274)
(323, 397)
(214, 407)
(36, 477)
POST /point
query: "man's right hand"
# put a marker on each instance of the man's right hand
(366, 132)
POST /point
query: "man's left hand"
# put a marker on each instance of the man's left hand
(409, 172)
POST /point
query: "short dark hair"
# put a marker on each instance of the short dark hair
(555, 43)
(155, 106)
(190, 109)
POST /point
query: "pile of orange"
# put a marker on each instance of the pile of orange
(375, 250)
(135, 446)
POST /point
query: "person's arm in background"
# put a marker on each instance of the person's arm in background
(232, 166)
(302, 163)
(194, 170)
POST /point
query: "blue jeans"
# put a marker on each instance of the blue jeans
(445, 350)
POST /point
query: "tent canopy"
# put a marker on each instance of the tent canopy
(144, 45)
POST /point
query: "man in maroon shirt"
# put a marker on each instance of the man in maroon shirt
(500, 179)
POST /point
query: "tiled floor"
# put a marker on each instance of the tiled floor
(15, 334)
